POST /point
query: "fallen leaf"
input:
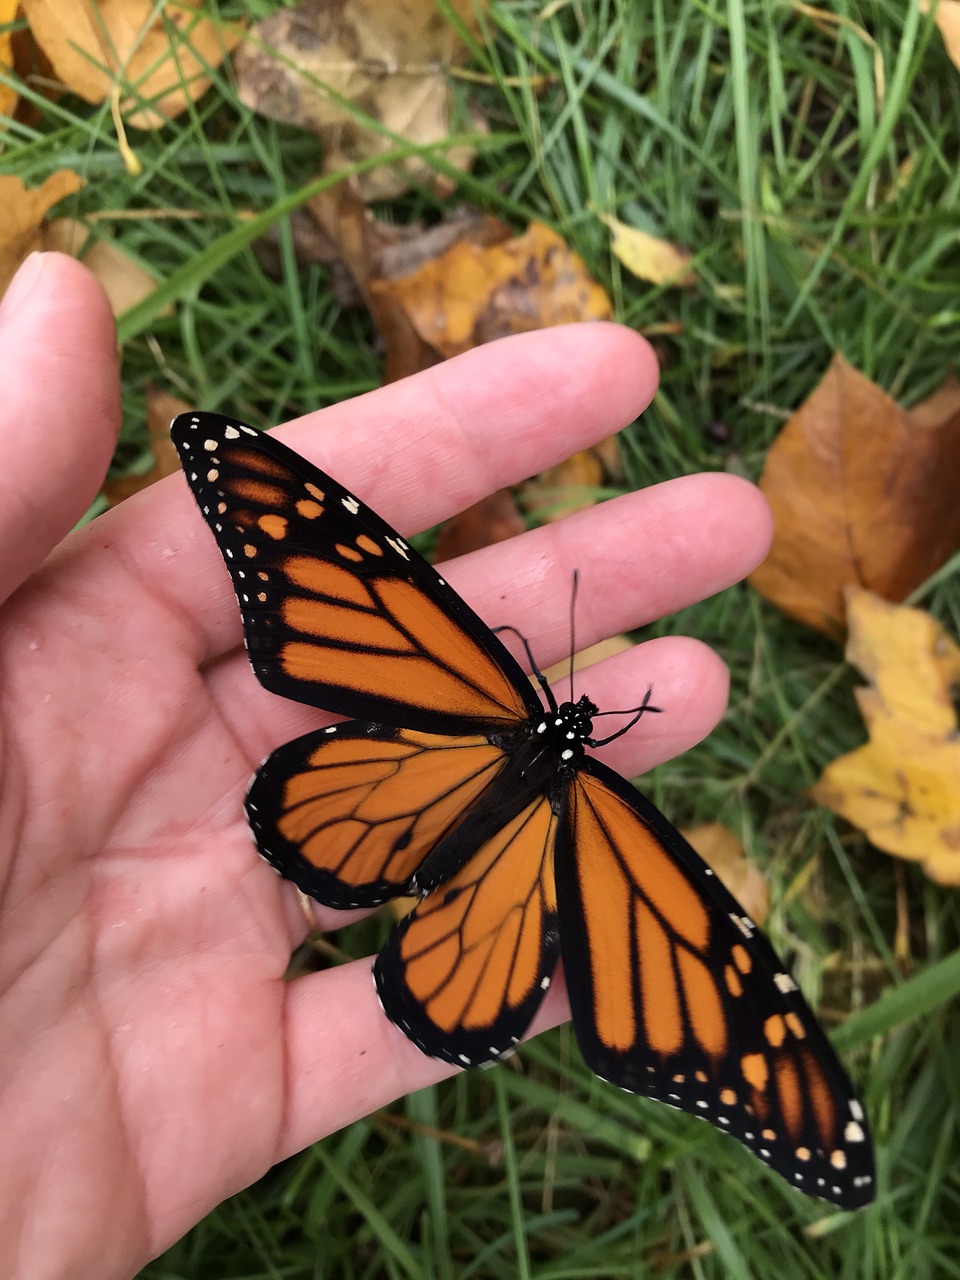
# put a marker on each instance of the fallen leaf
(650, 257)
(863, 493)
(24, 212)
(124, 281)
(569, 486)
(900, 788)
(723, 853)
(468, 274)
(163, 53)
(8, 95)
(947, 18)
(320, 63)
(494, 518)
(585, 658)
(162, 408)
(474, 293)
(32, 67)
(375, 252)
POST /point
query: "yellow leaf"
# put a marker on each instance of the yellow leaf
(900, 788)
(947, 18)
(722, 851)
(474, 293)
(649, 257)
(124, 281)
(23, 212)
(908, 658)
(8, 96)
(164, 55)
(588, 657)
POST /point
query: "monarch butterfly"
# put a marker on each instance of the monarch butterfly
(452, 781)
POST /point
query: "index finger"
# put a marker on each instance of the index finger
(417, 451)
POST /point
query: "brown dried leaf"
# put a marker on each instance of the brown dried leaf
(900, 788)
(124, 281)
(93, 47)
(161, 409)
(24, 211)
(863, 493)
(474, 293)
(723, 853)
(389, 61)
(494, 518)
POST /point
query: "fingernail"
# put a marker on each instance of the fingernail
(22, 284)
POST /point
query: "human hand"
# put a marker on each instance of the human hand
(152, 1059)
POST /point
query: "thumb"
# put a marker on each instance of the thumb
(59, 407)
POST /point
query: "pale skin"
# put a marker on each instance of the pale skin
(152, 1060)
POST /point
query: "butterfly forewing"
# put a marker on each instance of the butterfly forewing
(349, 813)
(677, 995)
(338, 611)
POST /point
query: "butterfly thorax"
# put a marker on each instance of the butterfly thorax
(547, 747)
(541, 755)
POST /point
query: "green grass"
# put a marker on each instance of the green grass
(823, 217)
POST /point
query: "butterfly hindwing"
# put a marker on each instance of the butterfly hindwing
(349, 813)
(338, 611)
(676, 994)
(465, 972)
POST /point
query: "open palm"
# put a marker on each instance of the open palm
(152, 1060)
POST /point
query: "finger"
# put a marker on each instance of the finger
(641, 556)
(416, 451)
(60, 409)
(335, 1079)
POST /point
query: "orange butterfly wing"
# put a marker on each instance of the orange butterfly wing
(676, 994)
(338, 611)
(350, 812)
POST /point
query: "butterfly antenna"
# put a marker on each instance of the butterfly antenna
(636, 712)
(534, 669)
(573, 617)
